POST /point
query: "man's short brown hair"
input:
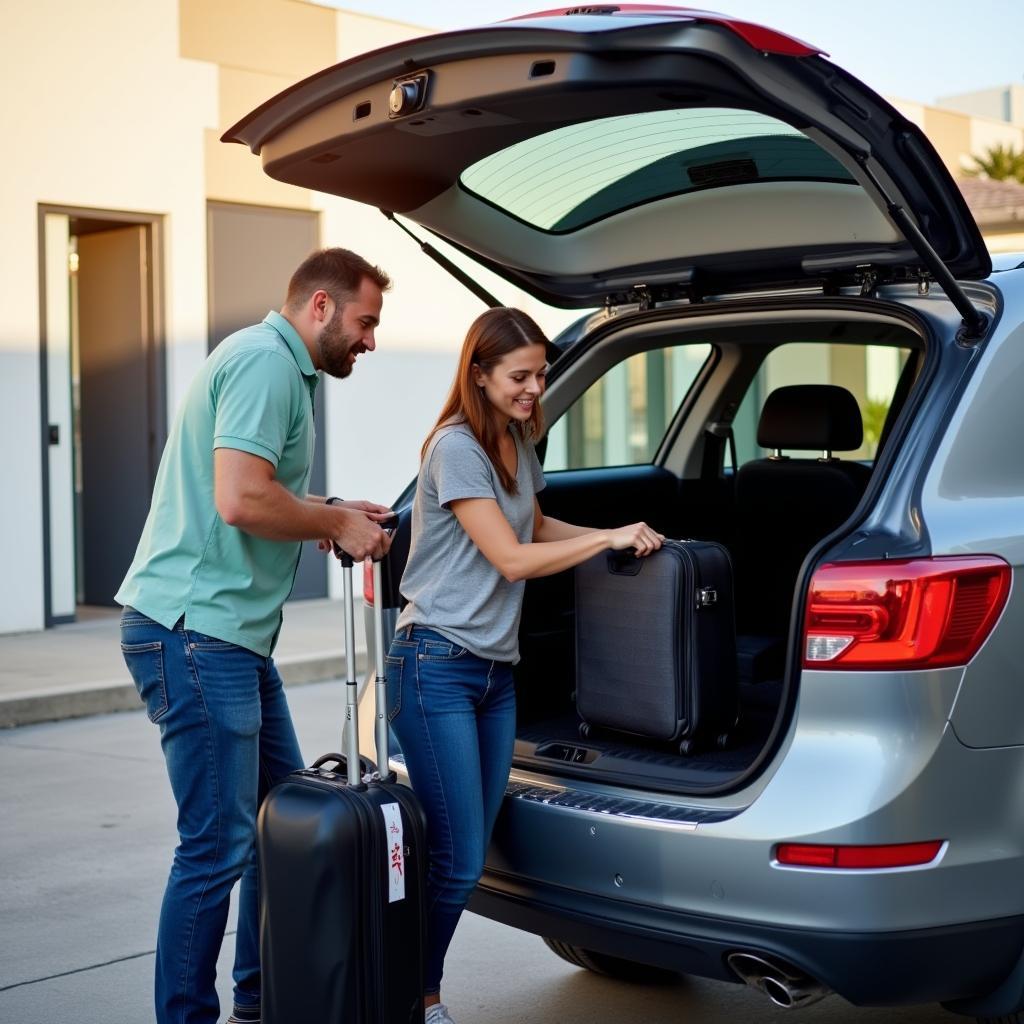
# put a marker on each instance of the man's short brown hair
(339, 272)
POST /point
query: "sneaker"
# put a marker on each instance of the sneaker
(244, 1015)
(437, 1014)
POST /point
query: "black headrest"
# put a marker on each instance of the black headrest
(819, 417)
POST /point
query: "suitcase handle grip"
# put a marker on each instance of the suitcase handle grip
(341, 760)
(624, 563)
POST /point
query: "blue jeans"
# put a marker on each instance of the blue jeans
(227, 736)
(455, 717)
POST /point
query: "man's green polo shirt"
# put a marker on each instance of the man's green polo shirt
(254, 393)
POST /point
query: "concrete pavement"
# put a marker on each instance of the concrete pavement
(75, 670)
(88, 830)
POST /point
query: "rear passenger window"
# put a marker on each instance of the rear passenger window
(623, 417)
(869, 372)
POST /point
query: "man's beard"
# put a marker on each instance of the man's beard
(334, 346)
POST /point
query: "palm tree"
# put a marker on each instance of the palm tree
(1000, 163)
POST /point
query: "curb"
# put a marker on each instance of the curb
(101, 698)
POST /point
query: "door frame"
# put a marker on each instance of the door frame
(156, 369)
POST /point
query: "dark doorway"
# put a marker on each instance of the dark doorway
(117, 431)
(252, 251)
(104, 404)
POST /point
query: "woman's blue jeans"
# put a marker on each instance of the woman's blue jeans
(455, 717)
(227, 736)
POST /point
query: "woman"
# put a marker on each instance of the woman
(477, 534)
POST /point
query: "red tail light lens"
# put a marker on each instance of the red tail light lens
(368, 581)
(921, 613)
(899, 855)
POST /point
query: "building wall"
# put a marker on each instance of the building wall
(88, 136)
(1003, 103)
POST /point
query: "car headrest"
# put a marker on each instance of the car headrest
(821, 417)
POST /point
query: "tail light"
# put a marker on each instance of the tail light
(368, 580)
(920, 613)
(897, 855)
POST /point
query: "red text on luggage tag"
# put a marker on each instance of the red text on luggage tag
(396, 851)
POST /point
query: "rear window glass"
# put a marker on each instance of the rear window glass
(565, 179)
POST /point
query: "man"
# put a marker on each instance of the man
(203, 600)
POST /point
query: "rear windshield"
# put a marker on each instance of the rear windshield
(565, 179)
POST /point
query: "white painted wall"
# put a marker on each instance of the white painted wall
(100, 112)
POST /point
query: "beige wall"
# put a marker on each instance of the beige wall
(950, 134)
(259, 48)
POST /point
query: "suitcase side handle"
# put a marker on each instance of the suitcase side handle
(624, 563)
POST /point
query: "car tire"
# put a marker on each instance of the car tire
(612, 966)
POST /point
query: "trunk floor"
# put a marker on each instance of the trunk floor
(639, 762)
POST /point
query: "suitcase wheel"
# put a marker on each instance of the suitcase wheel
(722, 740)
(687, 747)
(585, 730)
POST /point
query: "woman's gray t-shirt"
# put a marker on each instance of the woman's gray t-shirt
(449, 584)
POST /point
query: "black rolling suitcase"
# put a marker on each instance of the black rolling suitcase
(342, 856)
(656, 644)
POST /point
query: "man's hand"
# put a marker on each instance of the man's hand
(374, 512)
(358, 533)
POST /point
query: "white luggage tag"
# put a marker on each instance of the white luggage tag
(395, 851)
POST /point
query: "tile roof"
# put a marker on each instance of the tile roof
(993, 202)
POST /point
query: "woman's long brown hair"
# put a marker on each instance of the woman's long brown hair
(490, 338)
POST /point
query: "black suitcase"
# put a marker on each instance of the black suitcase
(656, 644)
(342, 858)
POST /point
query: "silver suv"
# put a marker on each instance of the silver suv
(799, 349)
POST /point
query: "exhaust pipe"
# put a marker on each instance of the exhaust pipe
(784, 985)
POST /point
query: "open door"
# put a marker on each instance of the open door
(117, 450)
(104, 419)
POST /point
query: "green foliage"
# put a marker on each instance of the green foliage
(1000, 163)
(873, 413)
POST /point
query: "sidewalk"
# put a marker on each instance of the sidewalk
(75, 670)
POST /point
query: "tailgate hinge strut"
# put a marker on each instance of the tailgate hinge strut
(442, 261)
(975, 322)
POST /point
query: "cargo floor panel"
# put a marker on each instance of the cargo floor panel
(554, 746)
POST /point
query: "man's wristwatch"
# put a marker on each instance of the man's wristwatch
(334, 501)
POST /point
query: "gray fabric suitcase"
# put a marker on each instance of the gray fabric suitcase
(656, 644)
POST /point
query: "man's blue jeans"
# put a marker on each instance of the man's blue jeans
(455, 717)
(227, 736)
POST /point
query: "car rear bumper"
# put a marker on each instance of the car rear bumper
(866, 968)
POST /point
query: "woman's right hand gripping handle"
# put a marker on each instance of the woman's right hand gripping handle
(640, 537)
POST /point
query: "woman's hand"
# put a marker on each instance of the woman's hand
(639, 536)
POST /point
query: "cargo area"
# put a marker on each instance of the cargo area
(765, 442)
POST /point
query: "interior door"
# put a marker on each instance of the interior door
(116, 401)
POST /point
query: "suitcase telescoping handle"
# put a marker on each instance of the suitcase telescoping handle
(350, 742)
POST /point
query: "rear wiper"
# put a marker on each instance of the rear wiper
(442, 261)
